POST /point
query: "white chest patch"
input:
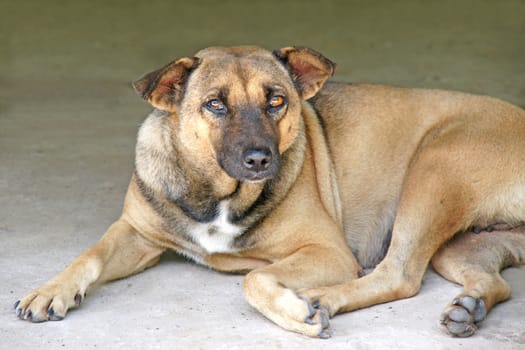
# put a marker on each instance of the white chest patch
(217, 236)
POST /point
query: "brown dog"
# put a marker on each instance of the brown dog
(238, 171)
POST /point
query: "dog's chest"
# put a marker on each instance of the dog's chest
(218, 235)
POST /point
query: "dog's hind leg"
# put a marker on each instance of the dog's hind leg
(419, 231)
(475, 261)
(434, 205)
(121, 252)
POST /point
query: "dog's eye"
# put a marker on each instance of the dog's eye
(276, 101)
(216, 106)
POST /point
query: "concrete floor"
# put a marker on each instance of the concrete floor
(68, 120)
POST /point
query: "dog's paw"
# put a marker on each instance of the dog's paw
(48, 303)
(320, 298)
(284, 307)
(462, 317)
(318, 316)
(297, 314)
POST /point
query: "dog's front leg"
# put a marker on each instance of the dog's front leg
(121, 252)
(272, 289)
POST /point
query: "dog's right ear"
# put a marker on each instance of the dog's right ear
(308, 68)
(163, 88)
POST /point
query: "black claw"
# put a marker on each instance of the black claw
(16, 304)
(78, 299)
(19, 312)
(316, 304)
(53, 316)
(29, 315)
(324, 335)
(311, 310)
(309, 320)
(480, 312)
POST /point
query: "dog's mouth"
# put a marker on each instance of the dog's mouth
(258, 177)
(250, 176)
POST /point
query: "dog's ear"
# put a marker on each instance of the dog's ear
(309, 69)
(163, 88)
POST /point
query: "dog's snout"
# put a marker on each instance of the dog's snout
(257, 160)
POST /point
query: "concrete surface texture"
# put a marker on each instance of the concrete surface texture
(68, 120)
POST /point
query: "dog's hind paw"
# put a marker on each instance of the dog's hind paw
(462, 317)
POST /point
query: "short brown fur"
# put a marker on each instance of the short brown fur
(238, 171)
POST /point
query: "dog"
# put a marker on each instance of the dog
(251, 162)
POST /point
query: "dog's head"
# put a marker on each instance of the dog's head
(239, 107)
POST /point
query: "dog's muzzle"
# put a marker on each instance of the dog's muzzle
(258, 164)
(252, 164)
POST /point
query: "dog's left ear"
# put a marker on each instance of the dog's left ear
(163, 88)
(309, 69)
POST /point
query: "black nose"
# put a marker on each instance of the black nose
(257, 160)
